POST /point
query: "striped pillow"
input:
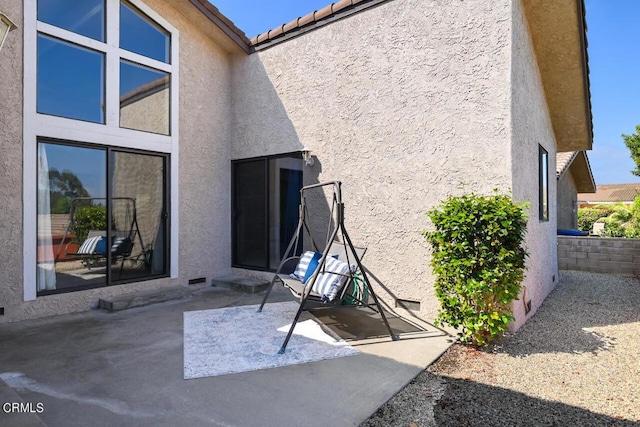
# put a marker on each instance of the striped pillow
(331, 279)
(303, 264)
(89, 246)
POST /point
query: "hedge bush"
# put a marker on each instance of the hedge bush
(588, 216)
(479, 263)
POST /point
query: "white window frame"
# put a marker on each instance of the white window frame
(45, 126)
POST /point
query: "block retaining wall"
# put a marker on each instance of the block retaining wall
(599, 255)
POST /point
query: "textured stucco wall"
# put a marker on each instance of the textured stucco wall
(204, 247)
(11, 71)
(531, 126)
(567, 202)
(402, 103)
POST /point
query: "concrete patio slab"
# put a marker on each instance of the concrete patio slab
(126, 369)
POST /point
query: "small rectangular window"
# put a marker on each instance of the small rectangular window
(543, 184)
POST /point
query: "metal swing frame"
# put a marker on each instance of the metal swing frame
(290, 260)
(131, 219)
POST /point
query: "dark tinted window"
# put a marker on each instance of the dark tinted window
(250, 214)
(84, 17)
(141, 35)
(70, 80)
(266, 197)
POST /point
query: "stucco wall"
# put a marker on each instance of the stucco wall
(531, 126)
(11, 70)
(567, 203)
(204, 179)
(205, 132)
(403, 103)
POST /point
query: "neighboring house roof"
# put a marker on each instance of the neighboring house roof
(577, 164)
(612, 193)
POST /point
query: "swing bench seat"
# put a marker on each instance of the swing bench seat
(338, 272)
(337, 251)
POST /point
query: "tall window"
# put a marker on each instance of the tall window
(266, 196)
(100, 130)
(75, 56)
(543, 184)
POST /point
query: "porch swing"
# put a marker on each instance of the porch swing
(95, 245)
(334, 277)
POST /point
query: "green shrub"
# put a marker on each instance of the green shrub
(588, 216)
(87, 218)
(635, 209)
(479, 263)
(622, 221)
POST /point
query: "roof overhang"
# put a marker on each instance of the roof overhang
(558, 30)
(223, 29)
(580, 171)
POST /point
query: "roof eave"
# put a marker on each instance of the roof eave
(558, 30)
(582, 174)
(224, 24)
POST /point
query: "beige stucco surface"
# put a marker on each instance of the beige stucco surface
(150, 113)
(204, 181)
(403, 103)
(567, 202)
(530, 127)
(11, 69)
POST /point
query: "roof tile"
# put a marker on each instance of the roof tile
(305, 20)
(309, 19)
(324, 12)
(291, 25)
(338, 6)
(563, 161)
(276, 32)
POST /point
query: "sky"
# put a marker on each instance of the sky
(614, 62)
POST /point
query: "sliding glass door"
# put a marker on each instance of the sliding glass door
(102, 216)
(266, 196)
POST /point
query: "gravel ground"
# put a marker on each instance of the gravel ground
(575, 363)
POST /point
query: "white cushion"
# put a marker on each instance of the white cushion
(331, 279)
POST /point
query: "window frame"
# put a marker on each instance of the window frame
(108, 150)
(543, 184)
(36, 125)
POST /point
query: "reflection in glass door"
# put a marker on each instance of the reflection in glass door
(138, 215)
(102, 217)
(72, 217)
